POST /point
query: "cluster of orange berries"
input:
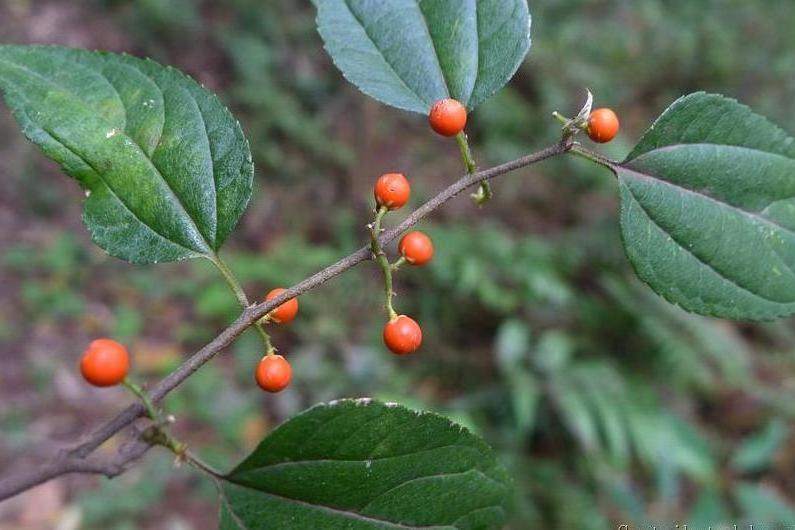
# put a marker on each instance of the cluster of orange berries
(402, 334)
(106, 362)
(273, 373)
(449, 116)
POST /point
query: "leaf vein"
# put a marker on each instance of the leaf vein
(209, 145)
(355, 460)
(482, 508)
(477, 52)
(433, 47)
(428, 477)
(99, 175)
(386, 61)
(697, 257)
(350, 514)
(157, 170)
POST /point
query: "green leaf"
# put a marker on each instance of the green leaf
(762, 505)
(709, 509)
(166, 168)
(708, 210)
(410, 53)
(362, 464)
(758, 450)
(512, 344)
(575, 411)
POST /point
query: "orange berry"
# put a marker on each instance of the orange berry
(105, 363)
(392, 190)
(285, 312)
(402, 335)
(602, 125)
(273, 373)
(416, 247)
(448, 117)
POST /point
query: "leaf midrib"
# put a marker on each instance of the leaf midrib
(288, 463)
(636, 174)
(433, 47)
(57, 139)
(386, 61)
(753, 215)
(478, 61)
(112, 191)
(358, 514)
(209, 147)
(350, 514)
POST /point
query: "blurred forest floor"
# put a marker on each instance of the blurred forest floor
(612, 406)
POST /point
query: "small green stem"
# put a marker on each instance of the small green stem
(158, 434)
(466, 152)
(484, 193)
(140, 394)
(201, 465)
(234, 284)
(380, 257)
(577, 149)
(561, 118)
(266, 339)
(231, 280)
(399, 263)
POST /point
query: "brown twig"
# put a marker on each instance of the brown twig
(67, 463)
(79, 459)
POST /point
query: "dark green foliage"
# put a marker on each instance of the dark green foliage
(367, 465)
(708, 212)
(167, 170)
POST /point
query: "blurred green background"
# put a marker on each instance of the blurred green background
(609, 405)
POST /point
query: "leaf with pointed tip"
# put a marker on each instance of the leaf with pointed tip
(365, 465)
(166, 168)
(708, 209)
(410, 54)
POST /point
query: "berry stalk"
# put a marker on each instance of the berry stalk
(398, 263)
(240, 294)
(484, 193)
(380, 257)
(154, 415)
(579, 150)
(158, 433)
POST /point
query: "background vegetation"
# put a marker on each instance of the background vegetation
(609, 405)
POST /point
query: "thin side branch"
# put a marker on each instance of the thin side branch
(79, 459)
(66, 463)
